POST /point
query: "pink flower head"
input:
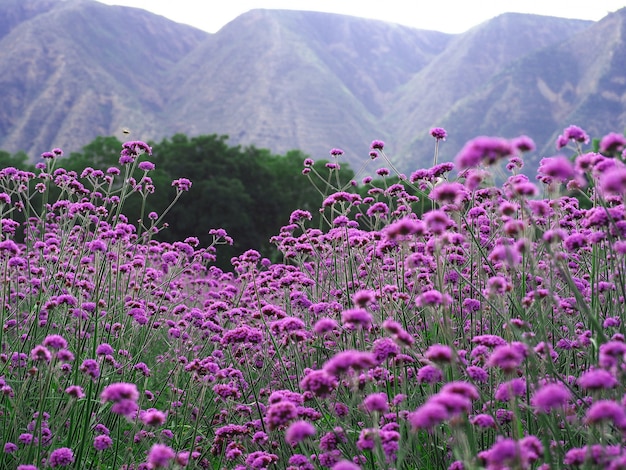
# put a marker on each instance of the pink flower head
(428, 416)
(61, 457)
(299, 431)
(55, 342)
(438, 133)
(160, 456)
(523, 143)
(345, 465)
(557, 168)
(614, 182)
(102, 442)
(152, 417)
(119, 391)
(357, 317)
(612, 143)
(146, 166)
(377, 145)
(576, 134)
(550, 396)
(597, 379)
(606, 410)
(449, 193)
(483, 150)
(506, 357)
(40, 353)
(182, 184)
(376, 402)
(439, 353)
(343, 361)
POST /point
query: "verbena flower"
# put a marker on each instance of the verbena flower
(597, 379)
(438, 133)
(299, 431)
(160, 456)
(483, 150)
(62, 457)
(376, 402)
(550, 397)
(119, 391)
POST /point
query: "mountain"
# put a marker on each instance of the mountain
(580, 80)
(73, 70)
(292, 79)
(283, 79)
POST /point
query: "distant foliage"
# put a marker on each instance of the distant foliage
(248, 191)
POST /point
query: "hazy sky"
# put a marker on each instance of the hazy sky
(450, 16)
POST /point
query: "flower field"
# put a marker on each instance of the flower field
(442, 321)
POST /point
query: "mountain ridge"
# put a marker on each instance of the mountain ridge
(289, 79)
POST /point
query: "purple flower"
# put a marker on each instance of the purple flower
(485, 150)
(324, 325)
(75, 391)
(182, 184)
(376, 402)
(523, 143)
(477, 374)
(55, 342)
(152, 417)
(507, 358)
(160, 456)
(104, 349)
(40, 353)
(319, 382)
(280, 414)
(428, 416)
(357, 317)
(597, 379)
(102, 442)
(362, 298)
(483, 421)
(61, 457)
(299, 431)
(341, 362)
(503, 454)
(614, 181)
(299, 215)
(439, 133)
(429, 375)
(439, 353)
(612, 143)
(126, 408)
(507, 390)
(606, 410)
(10, 447)
(437, 221)
(377, 145)
(119, 391)
(345, 465)
(146, 166)
(385, 348)
(403, 227)
(335, 152)
(449, 193)
(461, 388)
(576, 134)
(454, 403)
(550, 396)
(557, 168)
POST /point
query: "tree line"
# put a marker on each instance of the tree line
(248, 191)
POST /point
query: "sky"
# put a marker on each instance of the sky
(448, 16)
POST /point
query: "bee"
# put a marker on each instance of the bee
(125, 130)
